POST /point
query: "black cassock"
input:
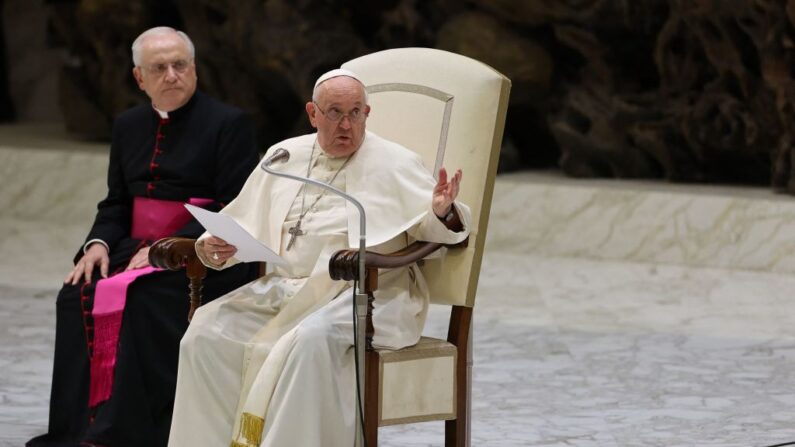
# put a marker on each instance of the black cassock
(205, 149)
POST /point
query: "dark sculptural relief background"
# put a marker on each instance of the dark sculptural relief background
(687, 90)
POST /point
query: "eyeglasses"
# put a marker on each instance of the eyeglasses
(180, 66)
(335, 115)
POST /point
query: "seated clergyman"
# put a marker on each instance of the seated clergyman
(272, 363)
(119, 321)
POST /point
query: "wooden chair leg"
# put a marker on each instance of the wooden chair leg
(457, 431)
(371, 397)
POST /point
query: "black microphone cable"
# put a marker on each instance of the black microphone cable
(781, 445)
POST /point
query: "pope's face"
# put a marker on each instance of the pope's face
(341, 97)
(167, 73)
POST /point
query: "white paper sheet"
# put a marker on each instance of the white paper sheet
(249, 249)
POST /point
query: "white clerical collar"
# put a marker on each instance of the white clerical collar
(162, 114)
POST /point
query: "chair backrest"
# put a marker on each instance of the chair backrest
(451, 110)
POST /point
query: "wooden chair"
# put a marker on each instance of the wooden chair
(451, 110)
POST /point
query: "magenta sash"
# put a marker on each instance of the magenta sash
(152, 219)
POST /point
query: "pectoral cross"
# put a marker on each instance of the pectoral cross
(294, 233)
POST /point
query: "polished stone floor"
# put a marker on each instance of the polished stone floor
(590, 328)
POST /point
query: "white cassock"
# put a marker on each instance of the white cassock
(272, 363)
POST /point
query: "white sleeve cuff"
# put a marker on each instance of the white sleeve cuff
(97, 241)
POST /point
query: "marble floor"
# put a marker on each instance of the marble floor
(570, 349)
(568, 352)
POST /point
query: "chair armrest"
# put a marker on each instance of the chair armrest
(344, 264)
(174, 253)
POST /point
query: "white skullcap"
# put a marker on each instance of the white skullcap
(336, 73)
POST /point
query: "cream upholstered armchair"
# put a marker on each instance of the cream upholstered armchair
(451, 110)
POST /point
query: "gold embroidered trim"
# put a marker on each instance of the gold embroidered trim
(251, 427)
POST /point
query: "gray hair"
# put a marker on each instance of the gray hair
(159, 31)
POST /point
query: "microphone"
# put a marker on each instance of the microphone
(278, 155)
(360, 301)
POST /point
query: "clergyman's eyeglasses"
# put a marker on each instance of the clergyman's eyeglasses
(180, 66)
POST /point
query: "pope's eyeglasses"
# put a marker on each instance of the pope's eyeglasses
(335, 115)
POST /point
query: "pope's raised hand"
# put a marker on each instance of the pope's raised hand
(445, 192)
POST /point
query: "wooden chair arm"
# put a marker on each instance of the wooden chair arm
(173, 253)
(344, 264)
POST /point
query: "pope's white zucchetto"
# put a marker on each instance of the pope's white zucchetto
(336, 73)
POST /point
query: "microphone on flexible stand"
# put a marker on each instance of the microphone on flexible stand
(278, 155)
(281, 154)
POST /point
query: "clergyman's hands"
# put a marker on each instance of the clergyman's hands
(217, 251)
(140, 260)
(96, 255)
(445, 192)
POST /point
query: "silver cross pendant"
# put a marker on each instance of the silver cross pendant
(294, 231)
